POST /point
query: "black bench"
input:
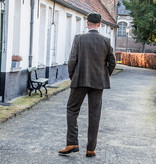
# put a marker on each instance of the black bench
(35, 83)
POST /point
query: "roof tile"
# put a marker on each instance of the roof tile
(93, 5)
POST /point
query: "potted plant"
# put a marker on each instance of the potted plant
(16, 61)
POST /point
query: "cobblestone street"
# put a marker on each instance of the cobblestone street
(127, 133)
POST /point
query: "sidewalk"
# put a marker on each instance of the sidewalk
(127, 133)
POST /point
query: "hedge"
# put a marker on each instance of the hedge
(146, 60)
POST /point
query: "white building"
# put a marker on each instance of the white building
(41, 32)
(125, 41)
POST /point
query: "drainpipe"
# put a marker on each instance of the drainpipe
(118, 5)
(53, 18)
(32, 3)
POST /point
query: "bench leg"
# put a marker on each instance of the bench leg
(38, 88)
(40, 93)
(45, 88)
(30, 92)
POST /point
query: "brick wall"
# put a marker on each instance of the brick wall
(58, 73)
(132, 46)
(111, 6)
(146, 60)
(16, 82)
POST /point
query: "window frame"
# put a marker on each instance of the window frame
(122, 28)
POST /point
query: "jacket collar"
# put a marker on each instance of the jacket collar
(93, 31)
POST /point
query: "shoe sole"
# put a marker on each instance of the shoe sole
(90, 155)
(70, 151)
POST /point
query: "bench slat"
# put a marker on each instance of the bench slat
(40, 80)
(32, 69)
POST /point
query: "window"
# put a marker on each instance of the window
(122, 29)
(68, 35)
(78, 24)
(42, 29)
(16, 28)
(102, 29)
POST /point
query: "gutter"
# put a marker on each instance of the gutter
(32, 3)
(70, 6)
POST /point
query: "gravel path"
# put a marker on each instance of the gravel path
(127, 133)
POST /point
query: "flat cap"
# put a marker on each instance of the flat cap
(94, 17)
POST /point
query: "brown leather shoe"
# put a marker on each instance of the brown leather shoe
(70, 149)
(90, 153)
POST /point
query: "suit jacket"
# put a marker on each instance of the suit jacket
(91, 61)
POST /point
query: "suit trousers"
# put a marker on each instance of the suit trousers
(75, 101)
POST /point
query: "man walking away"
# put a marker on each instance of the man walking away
(90, 64)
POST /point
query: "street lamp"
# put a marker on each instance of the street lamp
(127, 32)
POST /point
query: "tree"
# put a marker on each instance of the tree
(144, 20)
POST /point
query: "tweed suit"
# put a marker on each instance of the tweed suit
(90, 65)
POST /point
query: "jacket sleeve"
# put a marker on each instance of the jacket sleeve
(111, 60)
(73, 57)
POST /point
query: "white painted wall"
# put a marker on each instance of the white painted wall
(7, 54)
(69, 26)
(42, 35)
(47, 49)
(35, 49)
(49, 34)
(17, 28)
(61, 38)
(85, 28)
(25, 34)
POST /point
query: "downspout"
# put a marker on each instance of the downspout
(3, 51)
(53, 18)
(31, 32)
(118, 5)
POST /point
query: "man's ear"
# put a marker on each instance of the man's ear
(87, 23)
(99, 24)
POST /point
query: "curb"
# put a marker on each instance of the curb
(117, 70)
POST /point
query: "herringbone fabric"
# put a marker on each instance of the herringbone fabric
(91, 61)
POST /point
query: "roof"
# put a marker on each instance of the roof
(87, 6)
(122, 9)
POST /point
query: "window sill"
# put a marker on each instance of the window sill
(66, 62)
(54, 64)
(121, 35)
(15, 69)
(41, 66)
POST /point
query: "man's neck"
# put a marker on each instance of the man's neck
(92, 29)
